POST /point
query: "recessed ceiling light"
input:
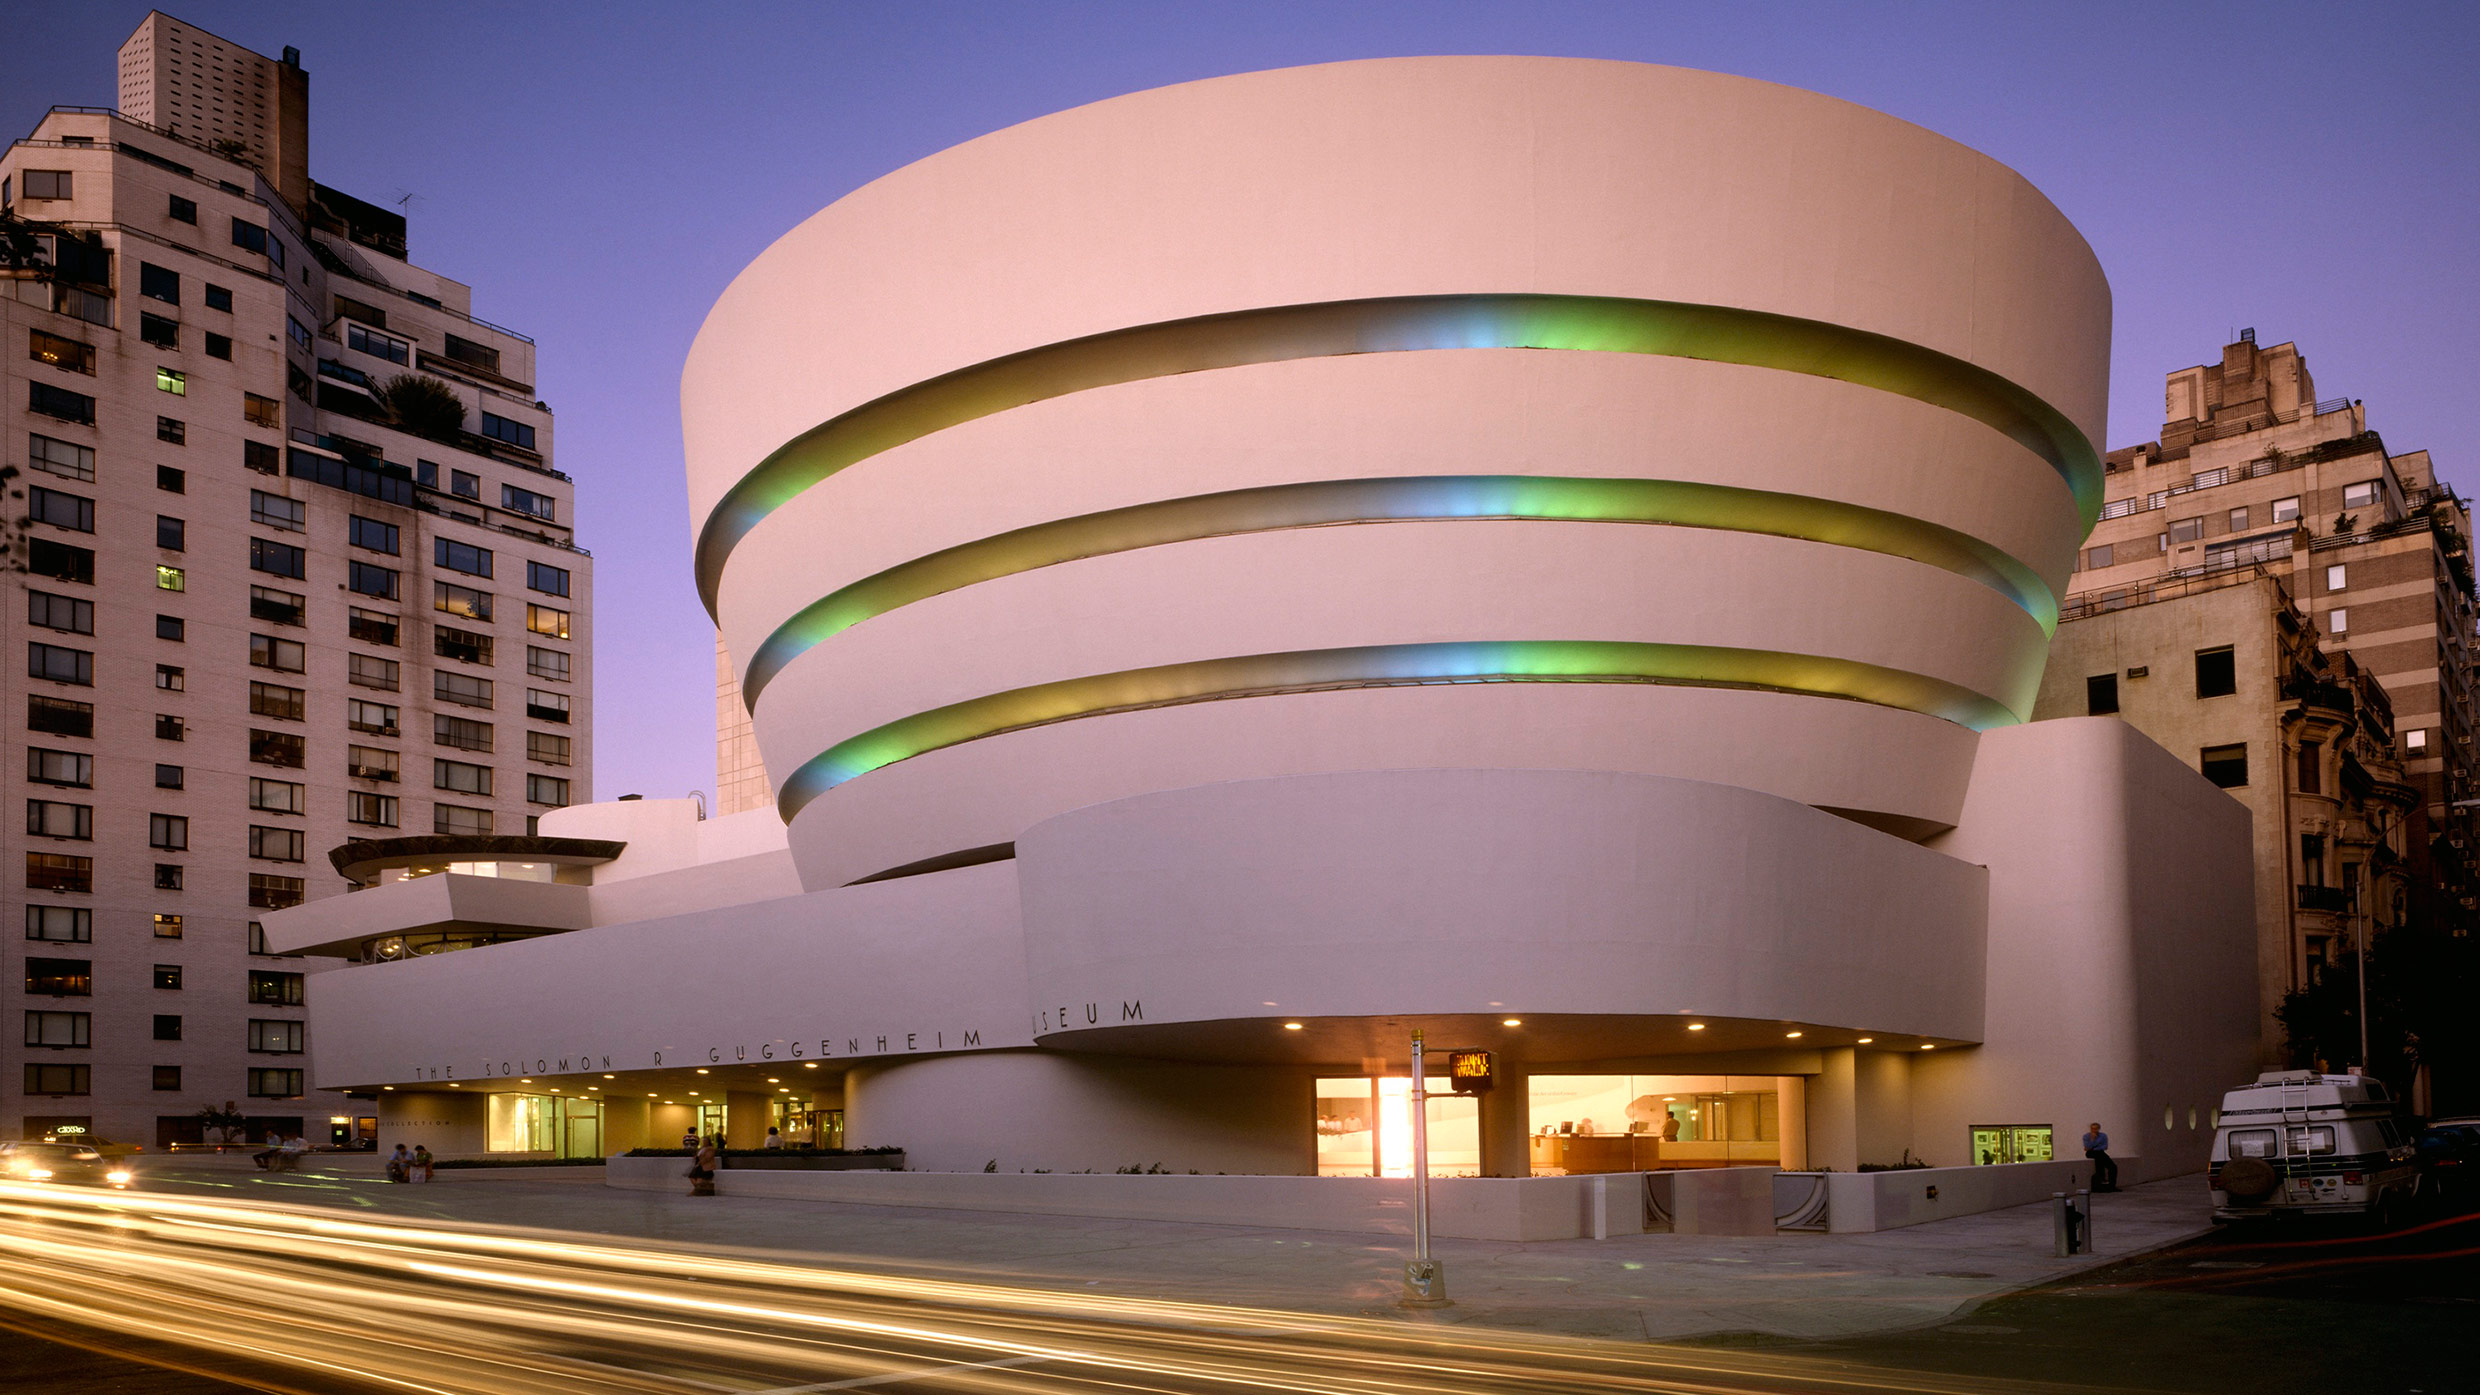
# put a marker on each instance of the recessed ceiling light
(1788, 1035)
(1266, 1005)
(1696, 1026)
(1928, 1046)
(774, 1080)
(1291, 1026)
(387, 1087)
(1511, 1022)
(611, 1077)
(1866, 1040)
(693, 1094)
(701, 1070)
(809, 1065)
(525, 1080)
(454, 1086)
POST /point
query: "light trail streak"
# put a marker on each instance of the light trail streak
(331, 1304)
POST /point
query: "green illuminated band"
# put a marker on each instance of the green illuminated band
(1601, 324)
(1398, 499)
(1385, 665)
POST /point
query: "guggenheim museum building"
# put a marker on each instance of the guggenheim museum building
(1552, 554)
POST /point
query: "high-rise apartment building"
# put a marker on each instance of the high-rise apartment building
(295, 569)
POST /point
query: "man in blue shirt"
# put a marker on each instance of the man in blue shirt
(2097, 1151)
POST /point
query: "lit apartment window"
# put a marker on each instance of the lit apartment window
(460, 600)
(171, 578)
(76, 355)
(168, 976)
(167, 927)
(60, 978)
(544, 620)
(59, 872)
(172, 380)
(257, 410)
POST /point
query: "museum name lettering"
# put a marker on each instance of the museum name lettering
(781, 1049)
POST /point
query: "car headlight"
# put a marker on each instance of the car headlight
(40, 1174)
(118, 1179)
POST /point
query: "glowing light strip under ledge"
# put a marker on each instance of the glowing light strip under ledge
(1385, 665)
(1398, 499)
(1398, 324)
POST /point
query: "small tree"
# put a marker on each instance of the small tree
(2344, 523)
(224, 1120)
(423, 405)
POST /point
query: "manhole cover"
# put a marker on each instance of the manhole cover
(1959, 1274)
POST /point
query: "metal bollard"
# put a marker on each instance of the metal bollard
(1601, 1208)
(2072, 1224)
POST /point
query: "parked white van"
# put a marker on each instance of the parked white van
(2297, 1142)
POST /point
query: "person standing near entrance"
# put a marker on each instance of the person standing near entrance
(2097, 1152)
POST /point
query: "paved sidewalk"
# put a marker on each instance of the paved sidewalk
(1639, 1287)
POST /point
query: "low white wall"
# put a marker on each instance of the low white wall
(1890, 1200)
(1470, 1208)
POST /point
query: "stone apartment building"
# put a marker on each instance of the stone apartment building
(270, 598)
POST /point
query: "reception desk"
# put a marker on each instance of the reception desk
(1573, 1153)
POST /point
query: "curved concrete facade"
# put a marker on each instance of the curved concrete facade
(1541, 372)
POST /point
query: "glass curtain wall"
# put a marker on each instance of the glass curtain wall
(553, 1125)
(1644, 1123)
(1364, 1128)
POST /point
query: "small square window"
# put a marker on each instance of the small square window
(172, 380)
(219, 346)
(2416, 740)
(2217, 672)
(2286, 510)
(167, 975)
(171, 480)
(2337, 577)
(167, 1077)
(183, 210)
(167, 927)
(2101, 694)
(171, 579)
(167, 876)
(171, 627)
(2226, 766)
(219, 298)
(171, 534)
(171, 679)
(167, 1026)
(169, 777)
(463, 485)
(2338, 621)
(169, 728)
(2238, 520)
(2360, 495)
(176, 432)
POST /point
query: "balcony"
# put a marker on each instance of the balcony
(2331, 899)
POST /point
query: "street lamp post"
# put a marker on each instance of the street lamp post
(1425, 1279)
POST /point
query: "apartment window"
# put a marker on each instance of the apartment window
(2286, 510)
(219, 297)
(59, 872)
(60, 402)
(371, 626)
(278, 607)
(369, 341)
(60, 665)
(249, 237)
(275, 844)
(76, 355)
(368, 314)
(58, 1080)
(465, 646)
(277, 1038)
(370, 718)
(461, 557)
(515, 433)
(258, 938)
(169, 728)
(277, 701)
(59, 1029)
(66, 459)
(2098, 557)
(2226, 766)
(273, 893)
(182, 210)
(159, 283)
(2338, 621)
(2311, 767)
(526, 501)
(462, 689)
(170, 832)
(172, 431)
(60, 561)
(70, 613)
(219, 346)
(167, 1077)
(2360, 495)
(167, 927)
(275, 511)
(168, 976)
(376, 810)
(298, 332)
(546, 706)
(459, 600)
(171, 480)
(73, 769)
(167, 1026)
(2217, 672)
(370, 671)
(59, 716)
(546, 663)
(170, 777)
(464, 485)
(171, 534)
(171, 679)
(372, 534)
(460, 821)
(278, 559)
(282, 655)
(368, 579)
(60, 978)
(172, 380)
(462, 778)
(2337, 577)
(278, 796)
(259, 456)
(75, 512)
(372, 762)
(50, 184)
(2312, 859)
(280, 748)
(543, 620)
(171, 578)
(274, 1084)
(464, 733)
(159, 331)
(260, 411)
(546, 747)
(66, 925)
(546, 789)
(268, 986)
(469, 353)
(2415, 741)
(426, 473)
(171, 627)
(50, 818)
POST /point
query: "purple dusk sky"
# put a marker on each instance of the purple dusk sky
(599, 172)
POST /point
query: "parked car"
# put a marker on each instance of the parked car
(2300, 1143)
(2449, 1158)
(61, 1162)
